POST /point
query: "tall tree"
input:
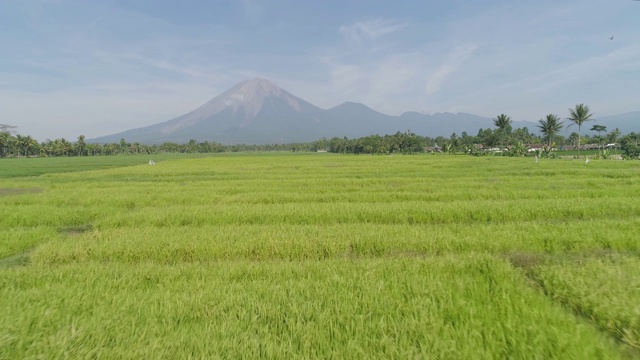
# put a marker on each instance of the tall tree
(614, 135)
(524, 136)
(21, 144)
(578, 116)
(503, 123)
(454, 140)
(599, 129)
(573, 138)
(62, 147)
(6, 141)
(124, 146)
(81, 144)
(550, 126)
(30, 145)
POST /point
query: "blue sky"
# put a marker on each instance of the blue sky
(71, 67)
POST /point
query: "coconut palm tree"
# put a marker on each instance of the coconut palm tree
(80, 145)
(614, 135)
(503, 123)
(578, 116)
(6, 141)
(550, 126)
(30, 145)
(23, 143)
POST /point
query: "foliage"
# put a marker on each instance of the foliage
(518, 149)
(614, 135)
(549, 127)
(631, 151)
(403, 143)
(604, 154)
(578, 116)
(547, 151)
(524, 136)
(503, 123)
(471, 149)
(600, 129)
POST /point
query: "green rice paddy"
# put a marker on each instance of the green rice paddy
(320, 256)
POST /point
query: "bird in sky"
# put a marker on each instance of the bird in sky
(611, 38)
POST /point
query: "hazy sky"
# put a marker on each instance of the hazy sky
(71, 67)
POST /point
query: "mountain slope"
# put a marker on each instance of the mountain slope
(627, 122)
(254, 111)
(259, 112)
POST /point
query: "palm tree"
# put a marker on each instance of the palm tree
(62, 147)
(24, 144)
(578, 116)
(503, 123)
(81, 145)
(6, 140)
(30, 145)
(47, 148)
(613, 136)
(550, 127)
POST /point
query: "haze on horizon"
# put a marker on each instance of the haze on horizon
(101, 67)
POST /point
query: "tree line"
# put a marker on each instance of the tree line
(503, 137)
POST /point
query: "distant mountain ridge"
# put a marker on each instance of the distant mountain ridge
(257, 111)
(627, 122)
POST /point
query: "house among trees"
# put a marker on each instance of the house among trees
(534, 147)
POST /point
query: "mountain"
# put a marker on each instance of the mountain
(445, 123)
(257, 111)
(625, 122)
(355, 120)
(254, 111)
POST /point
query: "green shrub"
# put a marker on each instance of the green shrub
(631, 151)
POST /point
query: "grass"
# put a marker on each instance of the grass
(322, 256)
(605, 289)
(450, 307)
(582, 153)
(20, 167)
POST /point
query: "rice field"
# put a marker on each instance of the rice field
(322, 256)
(19, 167)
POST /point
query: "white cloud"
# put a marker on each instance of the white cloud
(371, 30)
(623, 58)
(390, 84)
(455, 59)
(348, 78)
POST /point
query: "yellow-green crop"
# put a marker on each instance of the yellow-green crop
(321, 256)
